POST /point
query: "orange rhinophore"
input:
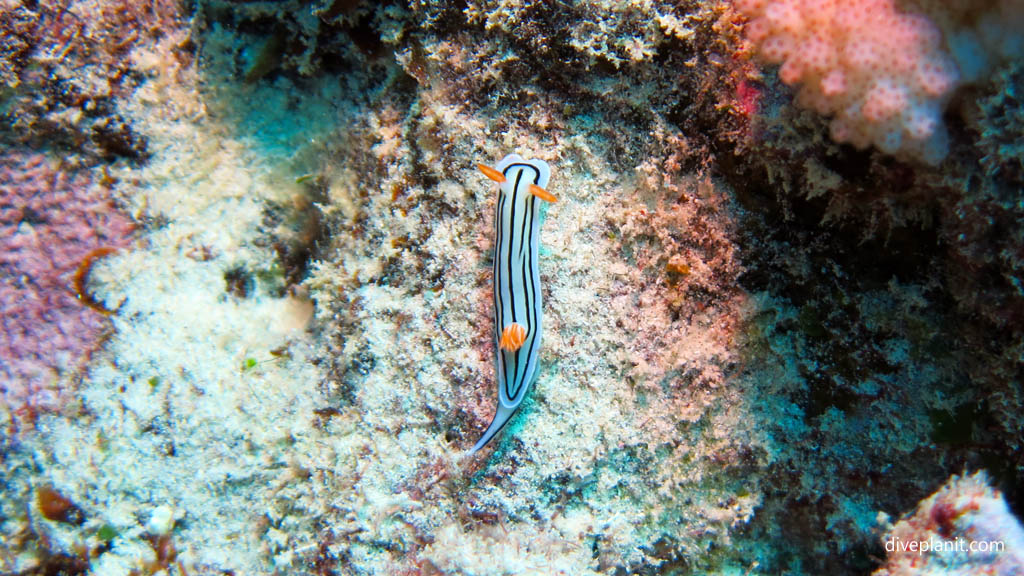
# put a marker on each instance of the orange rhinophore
(492, 173)
(542, 193)
(512, 337)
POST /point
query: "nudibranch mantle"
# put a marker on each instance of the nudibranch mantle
(517, 294)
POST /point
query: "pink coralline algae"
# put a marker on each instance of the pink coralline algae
(52, 220)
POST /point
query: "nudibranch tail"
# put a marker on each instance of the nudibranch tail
(517, 294)
(501, 417)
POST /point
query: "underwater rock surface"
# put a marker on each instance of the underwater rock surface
(759, 345)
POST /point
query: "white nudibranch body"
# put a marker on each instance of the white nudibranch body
(517, 301)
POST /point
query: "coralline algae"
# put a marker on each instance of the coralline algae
(756, 339)
(53, 219)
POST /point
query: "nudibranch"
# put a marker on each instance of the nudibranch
(517, 310)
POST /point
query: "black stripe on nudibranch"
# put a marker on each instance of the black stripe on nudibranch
(534, 283)
(529, 297)
(527, 301)
(510, 281)
(499, 301)
(511, 238)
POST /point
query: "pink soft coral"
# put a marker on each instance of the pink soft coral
(881, 74)
(51, 219)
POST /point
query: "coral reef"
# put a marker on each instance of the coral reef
(198, 384)
(950, 237)
(755, 338)
(302, 36)
(963, 528)
(53, 218)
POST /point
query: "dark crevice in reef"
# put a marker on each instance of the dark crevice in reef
(365, 37)
(777, 221)
(345, 41)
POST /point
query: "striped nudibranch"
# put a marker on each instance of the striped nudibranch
(517, 312)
